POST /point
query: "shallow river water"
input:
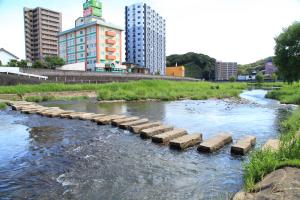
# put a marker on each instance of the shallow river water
(50, 158)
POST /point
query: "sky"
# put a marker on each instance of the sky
(227, 30)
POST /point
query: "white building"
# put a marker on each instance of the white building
(6, 56)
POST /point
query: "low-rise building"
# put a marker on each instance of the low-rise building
(225, 70)
(177, 71)
(6, 56)
(93, 42)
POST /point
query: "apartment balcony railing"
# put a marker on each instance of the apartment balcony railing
(110, 57)
(110, 49)
(110, 41)
(110, 33)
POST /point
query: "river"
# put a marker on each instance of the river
(51, 158)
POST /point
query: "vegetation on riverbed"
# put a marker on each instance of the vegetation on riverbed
(289, 94)
(137, 90)
(52, 98)
(263, 162)
(3, 106)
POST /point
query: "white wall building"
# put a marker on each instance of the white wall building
(6, 56)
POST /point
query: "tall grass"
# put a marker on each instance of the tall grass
(139, 90)
(289, 94)
(3, 106)
(262, 162)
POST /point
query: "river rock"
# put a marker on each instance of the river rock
(282, 184)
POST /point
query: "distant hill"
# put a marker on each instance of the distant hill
(256, 66)
(196, 65)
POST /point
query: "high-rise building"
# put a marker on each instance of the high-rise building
(225, 70)
(145, 38)
(93, 44)
(41, 29)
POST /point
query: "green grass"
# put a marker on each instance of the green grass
(262, 162)
(289, 94)
(137, 90)
(49, 98)
(3, 106)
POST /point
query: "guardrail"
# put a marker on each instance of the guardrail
(25, 74)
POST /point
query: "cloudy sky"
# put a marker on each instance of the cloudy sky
(228, 30)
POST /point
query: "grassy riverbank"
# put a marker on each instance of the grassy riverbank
(262, 162)
(2, 105)
(289, 94)
(137, 90)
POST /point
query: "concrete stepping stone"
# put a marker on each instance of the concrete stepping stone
(76, 115)
(91, 116)
(170, 135)
(138, 128)
(117, 122)
(272, 144)
(215, 143)
(186, 141)
(127, 125)
(150, 132)
(58, 114)
(243, 145)
(107, 120)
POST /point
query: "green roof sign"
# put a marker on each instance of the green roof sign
(92, 7)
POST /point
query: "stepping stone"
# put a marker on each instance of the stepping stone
(94, 119)
(272, 144)
(91, 116)
(127, 125)
(150, 132)
(117, 122)
(66, 115)
(137, 129)
(170, 135)
(215, 143)
(76, 115)
(186, 141)
(57, 114)
(243, 145)
(107, 120)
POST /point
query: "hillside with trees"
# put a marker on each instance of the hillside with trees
(256, 66)
(196, 65)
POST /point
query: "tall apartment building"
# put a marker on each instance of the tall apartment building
(145, 38)
(41, 29)
(225, 70)
(93, 44)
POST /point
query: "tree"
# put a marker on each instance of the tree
(259, 77)
(0, 63)
(232, 79)
(52, 62)
(287, 53)
(12, 63)
(274, 77)
(38, 64)
(22, 63)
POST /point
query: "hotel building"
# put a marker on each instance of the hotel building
(94, 44)
(41, 28)
(225, 70)
(145, 39)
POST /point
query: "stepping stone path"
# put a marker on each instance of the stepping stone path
(243, 145)
(272, 144)
(159, 133)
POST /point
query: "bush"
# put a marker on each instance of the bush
(3, 106)
(232, 79)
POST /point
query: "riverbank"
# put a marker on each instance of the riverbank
(289, 94)
(263, 162)
(134, 90)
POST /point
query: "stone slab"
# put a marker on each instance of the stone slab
(127, 125)
(170, 135)
(138, 128)
(76, 115)
(215, 143)
(117, 122)
(107, 120)
(186, 141)
(90, 116)
(272, 144)
(150, 132)
(243, 145)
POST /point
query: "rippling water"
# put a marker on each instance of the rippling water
(49, 158)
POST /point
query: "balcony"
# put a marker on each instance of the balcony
(110, 57)
(110, 49)
(110, 33)
(109, 41)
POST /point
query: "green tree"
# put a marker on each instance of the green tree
(259, 77)
(232, 79)
(274, 77)
(0, 63)
(53, 61)
(38, 64)
(12, 63)
(22, 63)
(287, 53)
